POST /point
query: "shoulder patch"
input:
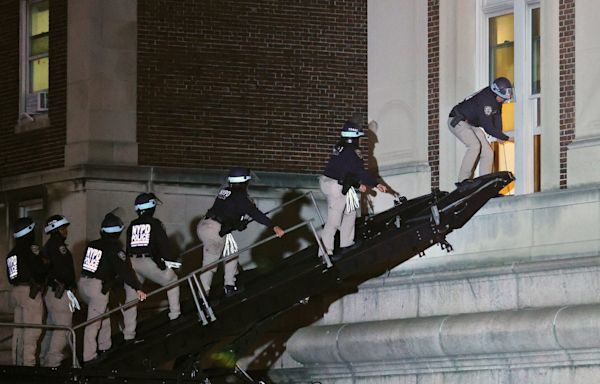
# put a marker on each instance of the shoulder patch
(35, 249)
(62, 249)
(223, 194)
(487, 110)
(122, 255)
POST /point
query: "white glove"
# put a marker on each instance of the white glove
(73, 303)
(172, 264)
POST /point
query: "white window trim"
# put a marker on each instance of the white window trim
(27, 121)
(524, 108)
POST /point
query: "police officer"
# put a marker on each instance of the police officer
(483, 109)
(226, 215)
(103, 261)
(148, 246)
(344, 172)
(61, 279)
(26, 270)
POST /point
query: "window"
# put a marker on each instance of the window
(35, 61)
(512, 49)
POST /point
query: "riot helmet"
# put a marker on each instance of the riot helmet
(146, 202)
(23, 227)
(351, 132)
(54, 222)
(503, 88)
(238, 175)
(111, 224)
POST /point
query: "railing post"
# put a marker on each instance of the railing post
(320, 244)
(74, 348)
(211, 314)
(200, 313)
(314, 201)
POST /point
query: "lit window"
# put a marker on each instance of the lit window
(502, 64)
(35, 27)
(501, 44)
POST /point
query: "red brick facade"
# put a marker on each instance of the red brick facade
(43, 148)
(267, 83)
(433, 90)
(567, 82)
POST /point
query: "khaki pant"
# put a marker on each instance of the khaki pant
(90, 290)
(29, 311)
(146, 268)
(58, 314)
(477, 147)
(337, 217)
(213, 244)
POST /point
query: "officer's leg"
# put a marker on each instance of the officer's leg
(91, 293)
(164, 277)
(336, 204)
(130, 314)
(486, 159)
(61, 315)
(33, 310)
(208, 233)
(347, 228)
(17, 337)
(465, 133)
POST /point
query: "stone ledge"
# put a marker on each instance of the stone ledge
(456, 340)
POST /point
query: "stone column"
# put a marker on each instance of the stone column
(398, 95)
(101, 82)
(584, 151)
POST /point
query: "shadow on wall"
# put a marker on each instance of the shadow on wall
(269, 255)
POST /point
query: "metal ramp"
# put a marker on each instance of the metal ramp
(219, 330)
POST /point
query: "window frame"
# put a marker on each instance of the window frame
(525, 113)
(28, 119)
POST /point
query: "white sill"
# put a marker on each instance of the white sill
(38, 121)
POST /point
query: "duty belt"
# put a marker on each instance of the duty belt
(139, 255)
(215, 218)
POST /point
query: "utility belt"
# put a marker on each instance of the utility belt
(106, 285)
(456, 117)
(140, 255)
(350, 180)
(34, 288)
(227, 225)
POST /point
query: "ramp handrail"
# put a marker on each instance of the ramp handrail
(191, 277)
(72, 340)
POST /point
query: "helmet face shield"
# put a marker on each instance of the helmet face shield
(503, 88)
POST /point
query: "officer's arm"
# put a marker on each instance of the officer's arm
(493, 125)
(122, 265)
(251, 210)
(161, 243)
(359, 170)
(128, 240)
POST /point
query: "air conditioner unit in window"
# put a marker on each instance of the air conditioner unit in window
(37, 102)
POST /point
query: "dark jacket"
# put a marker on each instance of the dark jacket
(482, 110)
(25, 264)
(62, 270)
(344, 163)
(104, 259)
(146, 235)
(230, 207)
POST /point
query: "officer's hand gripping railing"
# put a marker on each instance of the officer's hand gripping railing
(71, 330)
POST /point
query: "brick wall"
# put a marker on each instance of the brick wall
(44, 148)
(433, 90)
(265, 83)
(567, 82)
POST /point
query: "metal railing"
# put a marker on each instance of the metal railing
(72, 339)
(200, 299)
